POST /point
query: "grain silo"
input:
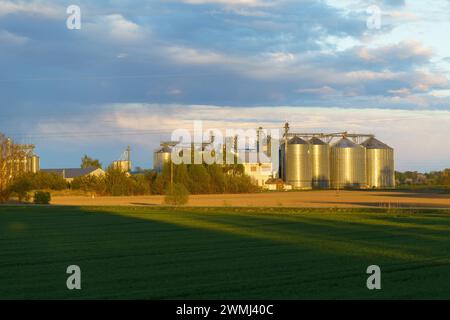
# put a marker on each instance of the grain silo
(298, 164)
(320, 163)
(379, 164)
(161, 157)
(348, 164)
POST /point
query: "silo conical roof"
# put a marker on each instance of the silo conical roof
(297, 140)
(164, 149)
(345, 143)
(316, 141)
(373, 143)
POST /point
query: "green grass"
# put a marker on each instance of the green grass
(229, 253)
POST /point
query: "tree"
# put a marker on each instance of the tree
(177, 195)
(117, 182)
(88, 162)
(11, 165)
(199, 179)
(21, 186)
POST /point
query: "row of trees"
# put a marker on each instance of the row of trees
(433, 178)
(195, 179)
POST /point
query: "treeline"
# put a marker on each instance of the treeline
(197, 179)
(433, 178)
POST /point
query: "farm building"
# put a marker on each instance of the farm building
(72, 173)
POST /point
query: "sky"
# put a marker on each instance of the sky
(137, 70)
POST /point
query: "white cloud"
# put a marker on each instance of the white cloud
(145, 125)
(116, 28)
(36, 8)
(250, 3)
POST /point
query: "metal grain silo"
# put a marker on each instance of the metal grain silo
(348, 165)
(298, 164)
(320, 163)
(379, 164)
(161, 157)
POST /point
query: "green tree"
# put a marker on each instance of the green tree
(88, 162)
(217, 179)
(21, 186)
(199, 180)
(176, 195)
(117, 182)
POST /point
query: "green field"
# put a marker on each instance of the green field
(223, 253)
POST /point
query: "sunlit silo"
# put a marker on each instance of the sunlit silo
(34, 164)
(348, 165)
(161, 157)
(320, 163)
(379, 164)
(298, 164)
(122, 165)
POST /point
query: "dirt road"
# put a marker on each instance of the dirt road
(312, 199)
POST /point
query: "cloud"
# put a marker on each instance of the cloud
(117, 28)
(250, 3)
(145, 125)
(35, 8)
(8, 38)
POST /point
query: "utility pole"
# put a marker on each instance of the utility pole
(129, 158)
(286, 131)
(171, 174)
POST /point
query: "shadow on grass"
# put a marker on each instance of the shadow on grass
(163, 253)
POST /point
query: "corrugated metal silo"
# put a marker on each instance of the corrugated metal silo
(379, 164)
(161, 157)
(320, 163)
(298, 164)
(348, 165)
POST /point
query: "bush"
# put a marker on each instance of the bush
(44, 180)
(177, 195)
(92, 184)
(21, 187)
(41, 197)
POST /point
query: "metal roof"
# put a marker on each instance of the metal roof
(317, 141)
(345, 143)
(71, 173)
(373, 143)
(297, 140)
(164, 149)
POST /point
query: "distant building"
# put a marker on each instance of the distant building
(72, 173)
(122, 165)
(259, 172)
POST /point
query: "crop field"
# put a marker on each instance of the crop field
(223, 253)
(300, 199)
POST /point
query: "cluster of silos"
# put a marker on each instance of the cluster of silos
(32, 164)
(306, 164)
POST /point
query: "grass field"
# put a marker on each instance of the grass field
(223, 253)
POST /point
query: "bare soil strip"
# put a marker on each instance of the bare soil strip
(301, 199)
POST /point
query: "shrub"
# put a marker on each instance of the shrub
(93, 184)
(21, 187)
(177, 195)
(41, 197)
(44, 180)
